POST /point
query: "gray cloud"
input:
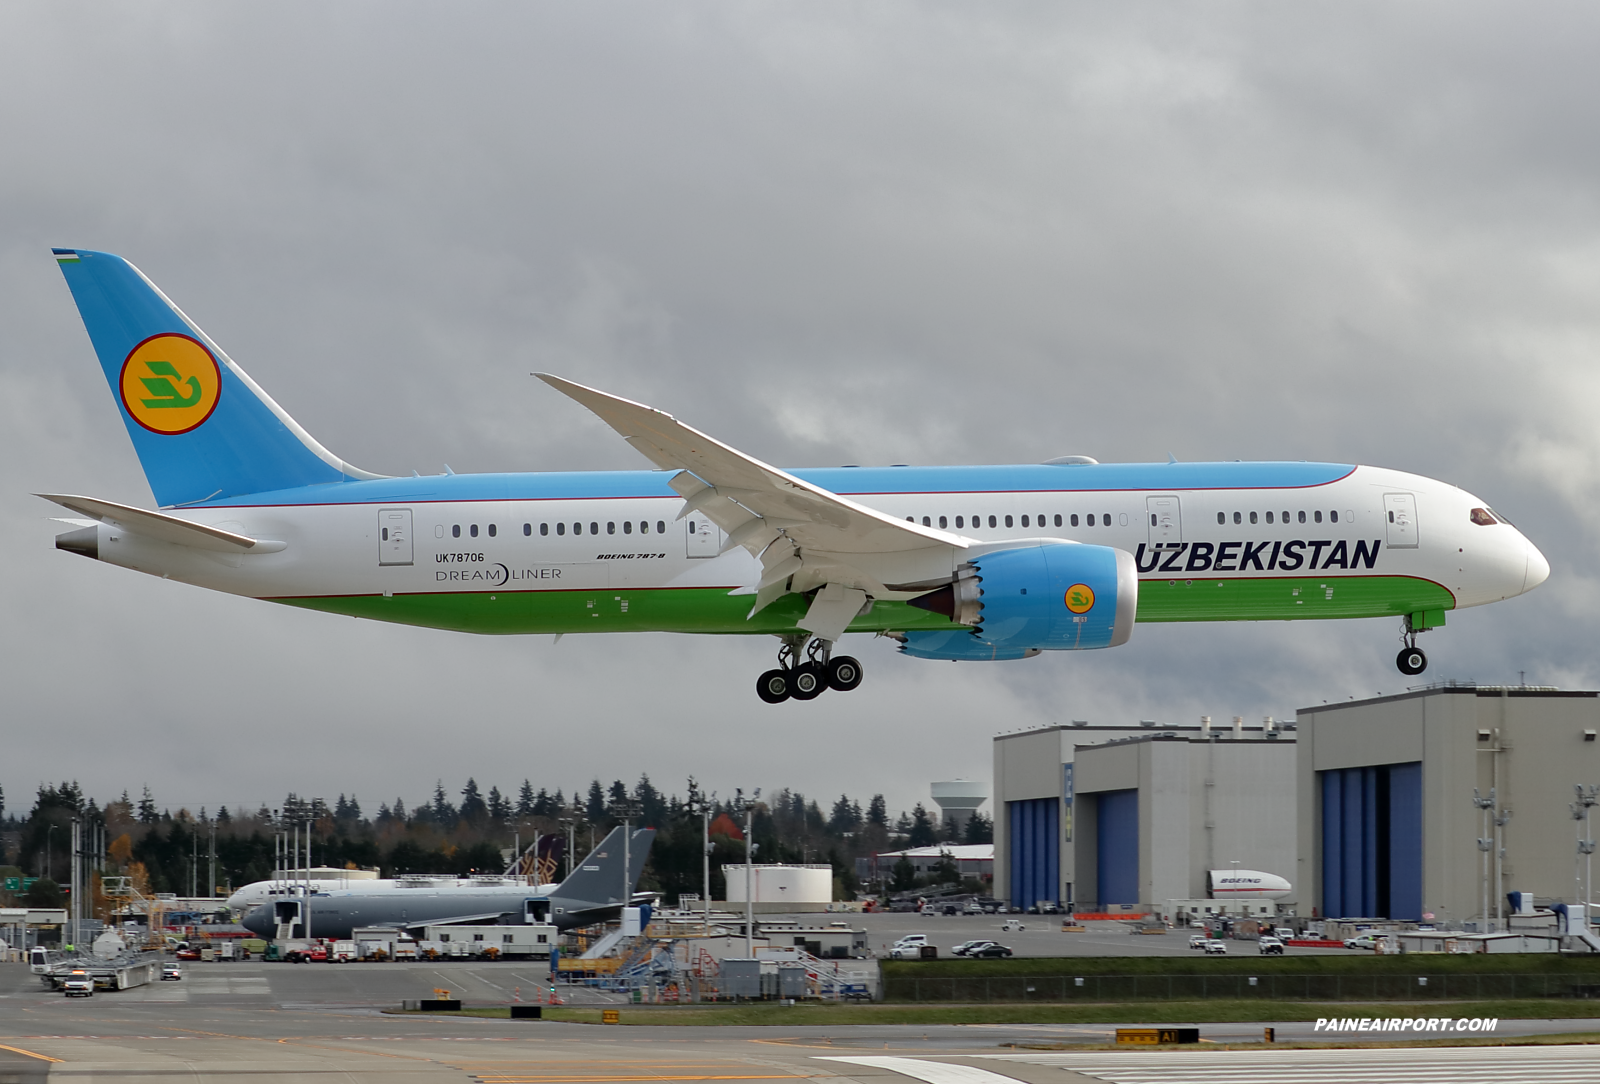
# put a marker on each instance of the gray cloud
(825, 233)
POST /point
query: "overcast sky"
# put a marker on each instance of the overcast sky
(826, 233)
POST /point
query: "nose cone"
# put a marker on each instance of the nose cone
(259, 920)
(1538, 568)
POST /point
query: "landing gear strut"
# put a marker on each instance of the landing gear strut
(1411, 660)
(808, 679)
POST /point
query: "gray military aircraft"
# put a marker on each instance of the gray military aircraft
(594, 892)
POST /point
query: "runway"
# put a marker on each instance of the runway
(280, 1024)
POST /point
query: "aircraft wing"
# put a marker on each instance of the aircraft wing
(454, 920)
(833, 540)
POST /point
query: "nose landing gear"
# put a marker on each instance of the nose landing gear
(821, 670)
(1412, 660)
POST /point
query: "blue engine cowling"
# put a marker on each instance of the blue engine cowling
(1050, 596)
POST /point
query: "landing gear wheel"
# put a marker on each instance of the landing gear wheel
(844, 673)
(774, 686)
(1411, 661)
(808, 681)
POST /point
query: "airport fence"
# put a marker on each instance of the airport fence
(1466, 987)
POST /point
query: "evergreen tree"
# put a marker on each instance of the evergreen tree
(444, 814)
(843, 818)
(355, 808)
(903, 876)
(923, 833)
(147, 809)
(384, 815)
(652, 809)
(526, 800)
(980, 829)
(500, 810)
(399, 811)
(878, 811)
(546, 806)
(595, 810)
(473, 809)
(224, 817)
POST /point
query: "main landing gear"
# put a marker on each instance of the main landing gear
(1411, 660)
(821, 670)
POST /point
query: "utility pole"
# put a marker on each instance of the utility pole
(1587, 797)
(628, 810)
(1501, 819)
(1485, 844)
(77, 841)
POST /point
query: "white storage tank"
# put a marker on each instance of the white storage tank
(781, 884)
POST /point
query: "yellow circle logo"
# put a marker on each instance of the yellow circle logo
(170, 384)
(1080, 598)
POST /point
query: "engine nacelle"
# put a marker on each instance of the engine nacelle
(1049, 596)
(1224, 884)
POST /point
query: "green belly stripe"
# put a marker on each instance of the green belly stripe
(1289, 598)
(713, 610)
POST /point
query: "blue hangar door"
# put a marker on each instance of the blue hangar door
(1372, 841)
(1034, 851)
(1117, 846)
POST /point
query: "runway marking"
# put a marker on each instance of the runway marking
(934, 1072)
(29, 1053)
(493, 1078)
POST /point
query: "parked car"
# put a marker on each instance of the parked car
(1011, 925)
(187, 953)
(1367, 941)
(966, 947)
(171, 971)
(991, 951)
(1215, 947)
(1269, 946)
(1283, 933)
(973, 907)
(1198, 940)
(909, 947)
(78, 984)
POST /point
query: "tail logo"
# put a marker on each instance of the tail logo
(170, 384)
(1080, 598)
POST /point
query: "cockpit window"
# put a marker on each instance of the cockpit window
(1483, 517)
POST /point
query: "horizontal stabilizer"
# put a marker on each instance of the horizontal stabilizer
(162, 527)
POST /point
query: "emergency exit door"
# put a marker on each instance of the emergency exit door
(1400, 510)
(704, 538)
(1165, 519)
(394, 536)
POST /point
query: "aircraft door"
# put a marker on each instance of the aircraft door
(394, 536)
(286, 918)
(1400, 510)
(1165, 520)
(704, 537)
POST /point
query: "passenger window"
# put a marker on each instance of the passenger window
(1058, 519)
(644, 526)
(1237, 518)
(627, 526)
(1286, 517)
(1024, 521)
(473, 530)
(611, 528)
(527, 530)
(958, 522)
(926, 522)
(1075, 519)
(1302, 517)
(992, 522)
(943, 523)
(1222, 517)
(1008, 521)
(1269, 517)
(492, 530)
(1105, 517)
(577, 528)
(561, 528)
(1091, 519)
(455, 532)
(544, 529)
(661, 526)
(1317, 516)
(1252, 517)
(1391, 517)
(594, 528)
(1333, 517)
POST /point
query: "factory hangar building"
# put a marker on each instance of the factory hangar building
(1386, 819)
(1365, 805)
(1107, 817)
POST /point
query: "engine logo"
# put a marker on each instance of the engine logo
(170, 384)
(1080, 598)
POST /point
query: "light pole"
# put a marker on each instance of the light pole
(1485, 844)
(570, 823)
(749, 806)
(49, 865)
(1501, 819)
(1587, 797)
(703, 804)
(627, 810)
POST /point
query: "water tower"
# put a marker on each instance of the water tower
(958, 800)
